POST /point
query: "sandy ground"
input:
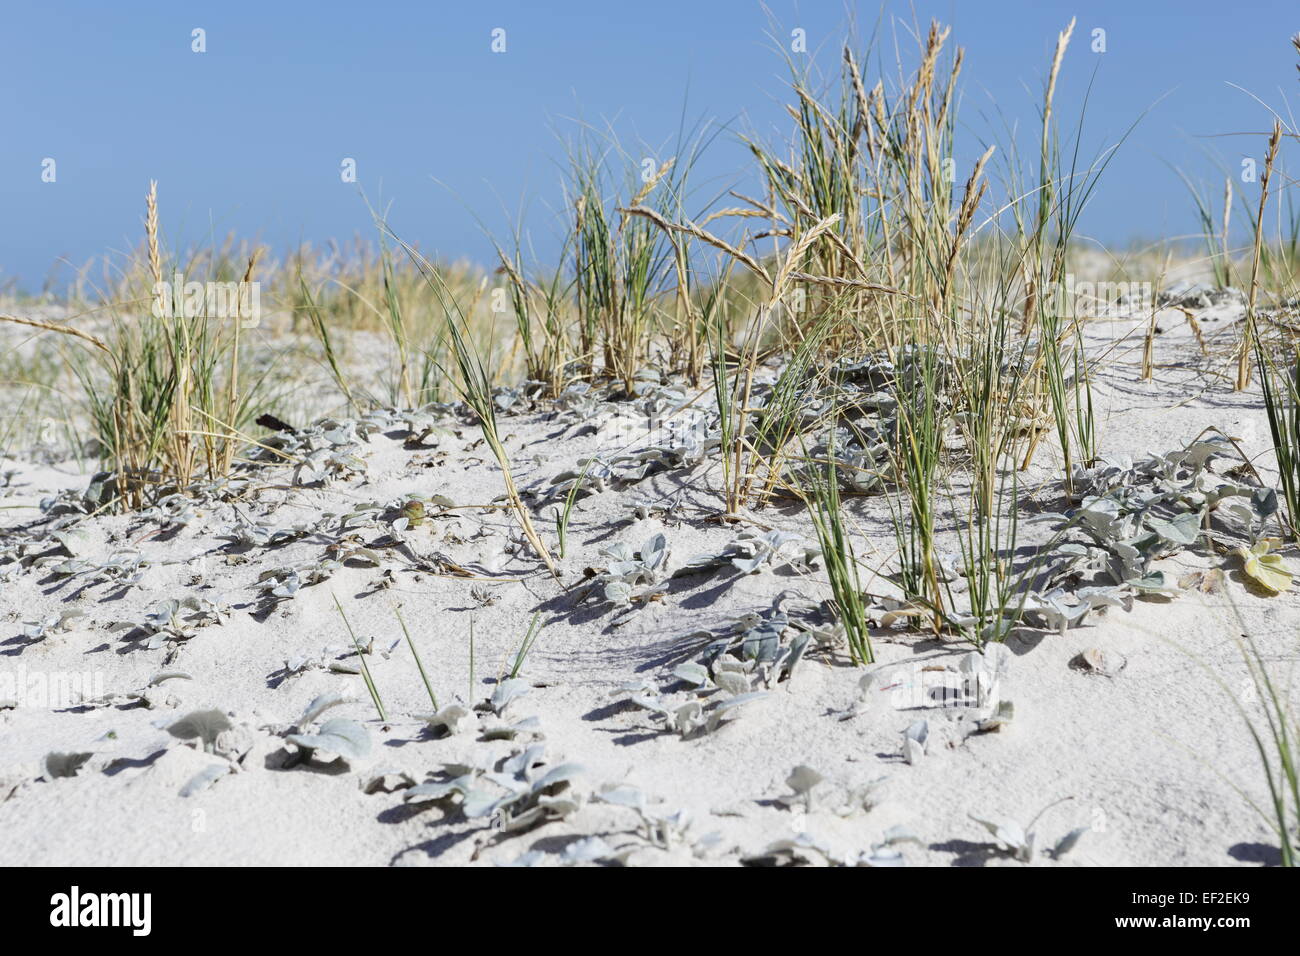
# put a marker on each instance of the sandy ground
(1155, 760)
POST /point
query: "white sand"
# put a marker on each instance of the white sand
(1156, 760)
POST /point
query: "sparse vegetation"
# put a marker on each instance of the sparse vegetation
(868, 391)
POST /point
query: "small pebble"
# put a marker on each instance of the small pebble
(1096, 661)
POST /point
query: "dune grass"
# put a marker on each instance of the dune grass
(822, 496)
(867, 237)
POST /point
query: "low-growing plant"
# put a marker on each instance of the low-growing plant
(1019, 842)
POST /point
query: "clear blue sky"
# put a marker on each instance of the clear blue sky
(250, 134)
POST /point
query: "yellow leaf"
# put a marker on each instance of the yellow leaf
(1267, 570)
(1265, 545)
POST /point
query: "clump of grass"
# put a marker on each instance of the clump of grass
(782, 421)
(541, 312)
(989, 379)
(618, 267)
(822, 495)
(1280, 383)
(164, 389)
(632, 281)
(873, 234)
(917, 448)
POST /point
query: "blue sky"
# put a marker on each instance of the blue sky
(250, 134)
